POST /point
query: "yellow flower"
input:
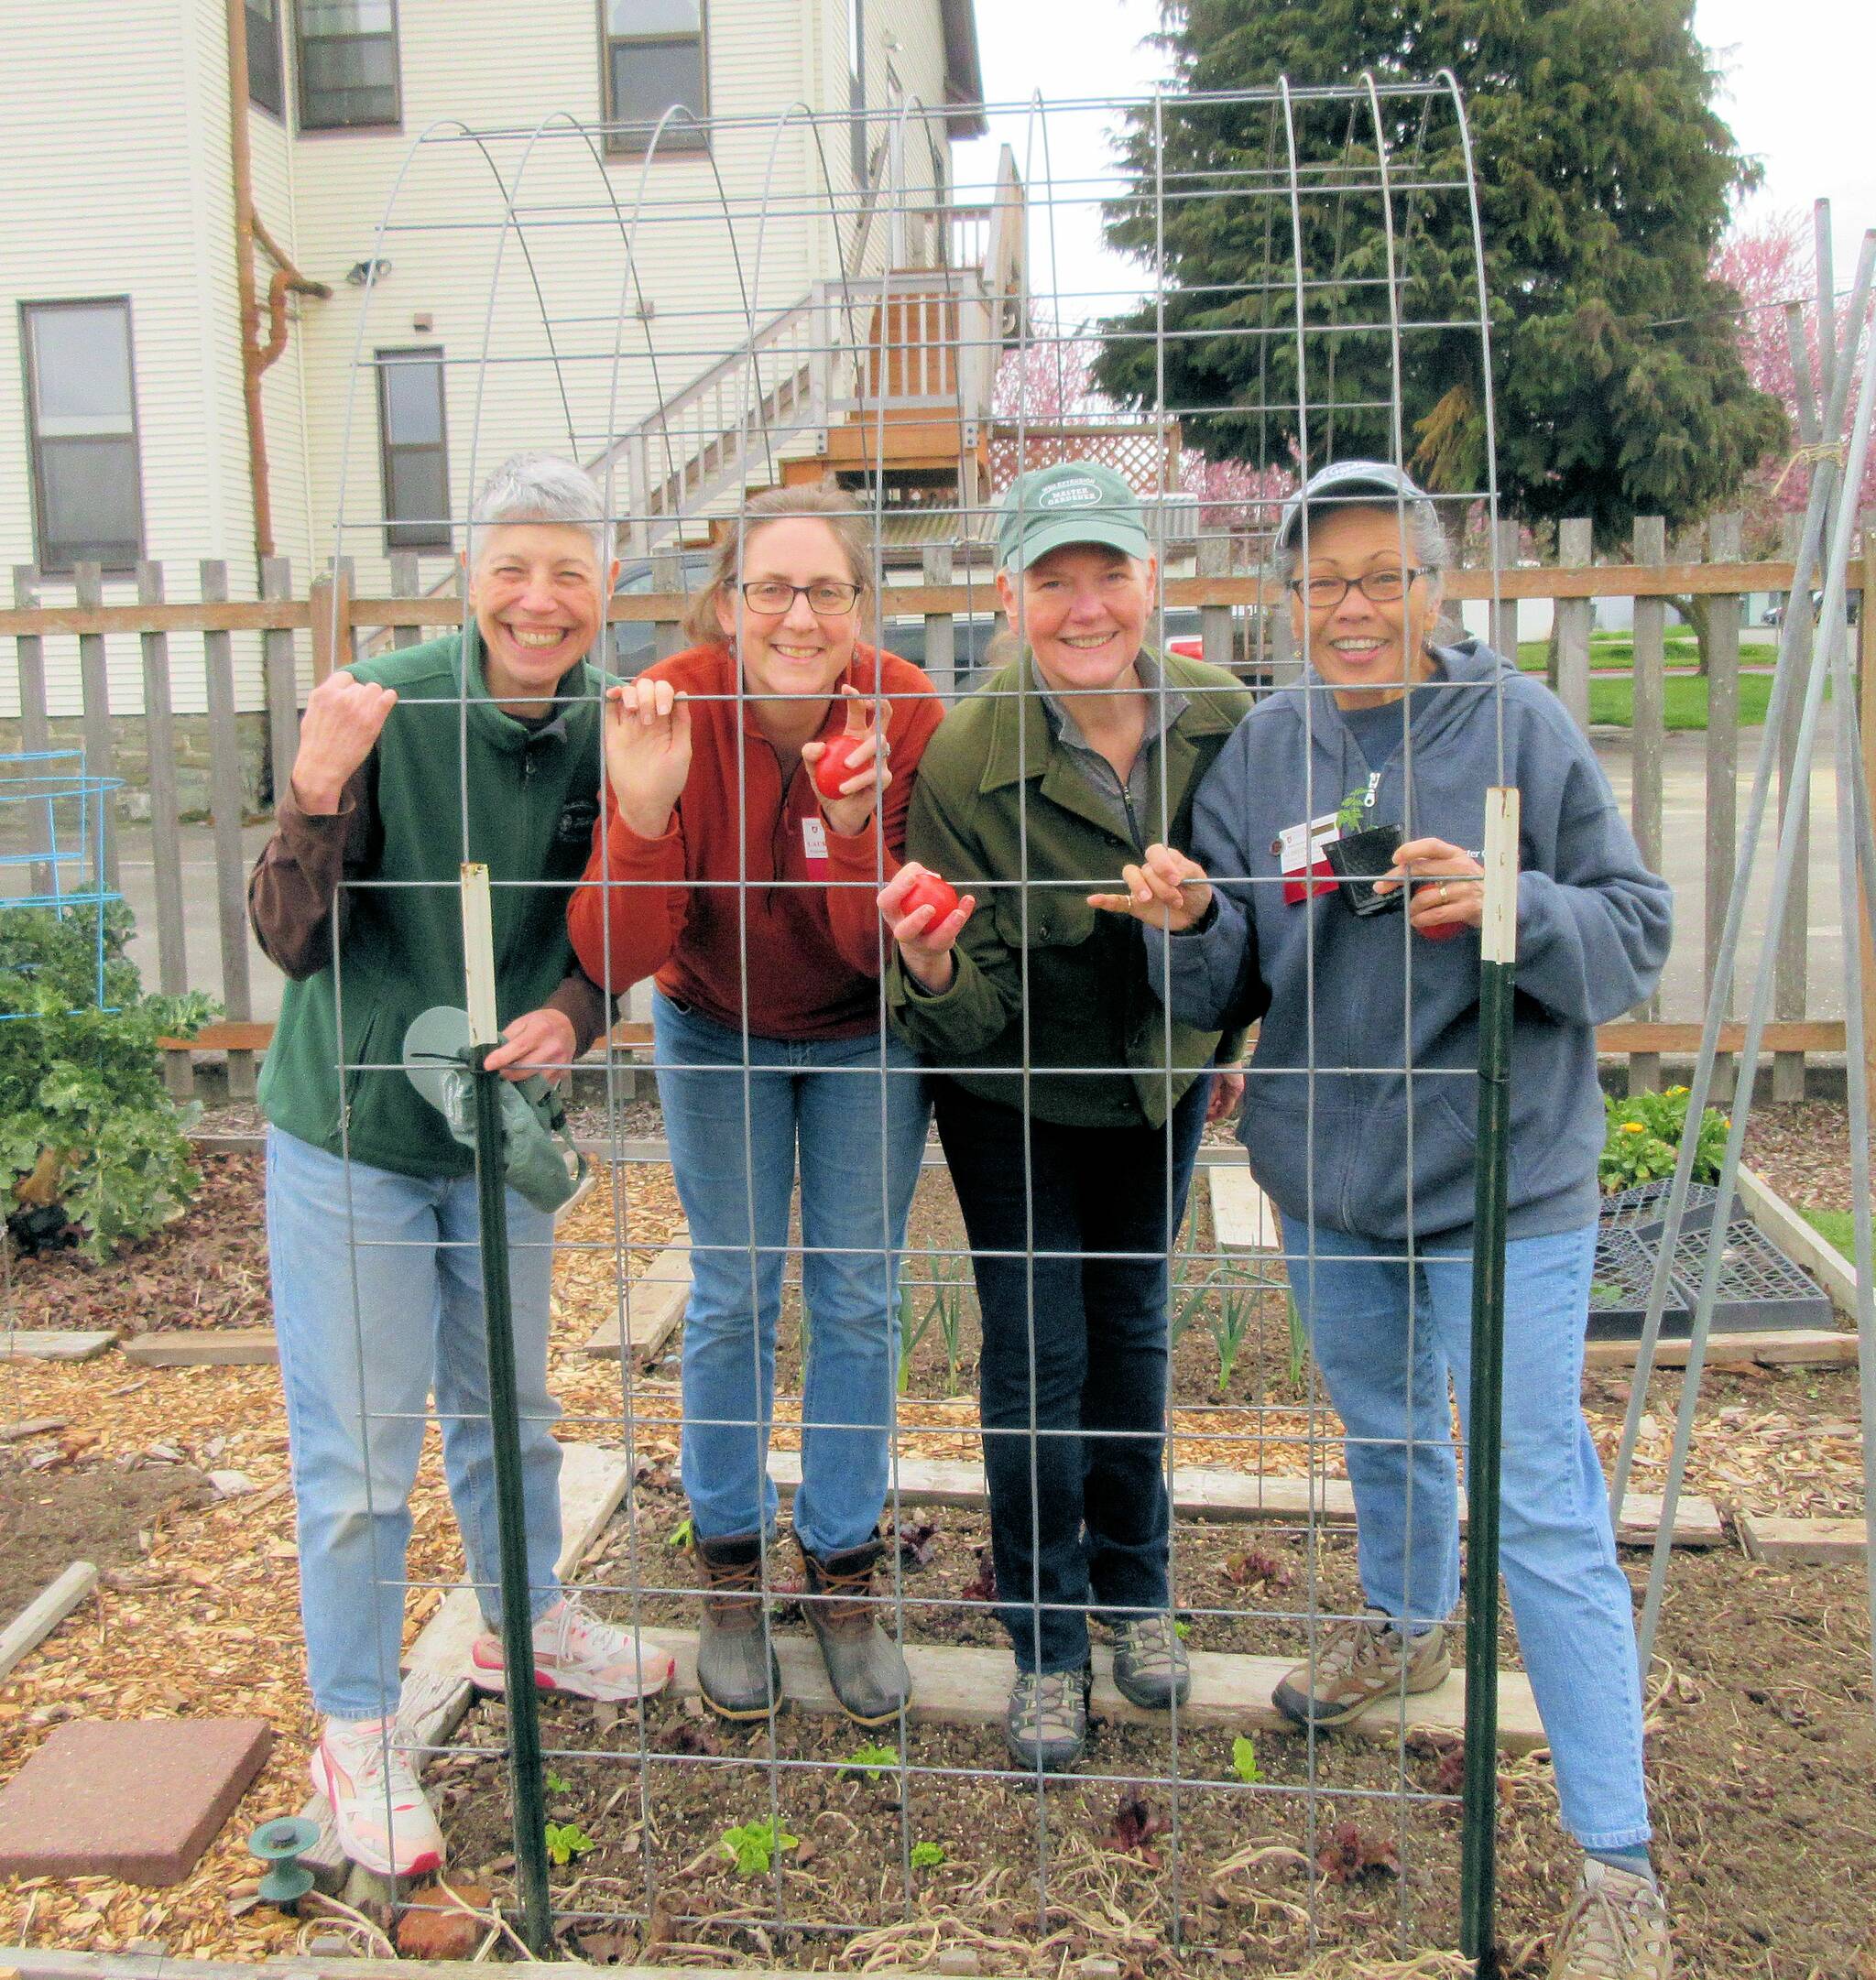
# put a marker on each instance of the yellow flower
(1673, 1092)
(1633, 1127)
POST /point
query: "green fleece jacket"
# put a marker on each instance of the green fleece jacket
(397, 844)
(992, 779)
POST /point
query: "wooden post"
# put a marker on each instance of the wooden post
(1790, 937)
(940, 629)
(231, 866)
(95, 681)
(667, 575)
(1575, 619)
(1648, 742)
(1215, 621)
(330, 602)
(35, 726)
(280, 669)
(1724, 614)
(406, 584)
(1503, 632)
(1866, 713)
(166, 832)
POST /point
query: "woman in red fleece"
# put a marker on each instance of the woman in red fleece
(728, 872)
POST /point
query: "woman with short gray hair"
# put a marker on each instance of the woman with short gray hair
(371, 1204)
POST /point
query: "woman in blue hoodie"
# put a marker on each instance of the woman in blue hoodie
(1360, 1113)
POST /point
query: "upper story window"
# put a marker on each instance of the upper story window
(655, 57)
(856, 86)
(266, 82)
(81, 419)
(414, 455)
(348, 64)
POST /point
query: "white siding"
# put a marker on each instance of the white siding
(128, 191)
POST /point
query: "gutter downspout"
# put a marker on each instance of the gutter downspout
(248, 227)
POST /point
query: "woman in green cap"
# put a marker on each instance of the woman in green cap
(1055, 1063)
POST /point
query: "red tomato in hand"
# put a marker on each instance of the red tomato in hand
(832, 768)
(929, 891)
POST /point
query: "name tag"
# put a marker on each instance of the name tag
(814, 846)
(1299, 850)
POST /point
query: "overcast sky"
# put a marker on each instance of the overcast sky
(1796, 95)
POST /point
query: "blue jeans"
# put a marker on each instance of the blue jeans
(1569, 1598)
(377, 1300)
(859, 1164)
(1073, 1286)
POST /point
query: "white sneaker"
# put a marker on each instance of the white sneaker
(383, 1820)
(576, 1652)
(1616, 1928)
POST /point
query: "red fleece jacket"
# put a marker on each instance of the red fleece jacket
(670, 906)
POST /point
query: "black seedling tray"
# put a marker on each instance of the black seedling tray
(1759, 1286)
(1357, 860)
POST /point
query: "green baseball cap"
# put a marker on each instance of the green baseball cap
(1073, 501)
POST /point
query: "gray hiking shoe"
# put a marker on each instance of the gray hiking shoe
(1359, 1663)
(864, 1666)
(737, 1671)
(1045, 1724)
(1616, 1928)
(1151, 1667)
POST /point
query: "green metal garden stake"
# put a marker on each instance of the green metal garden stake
(518, 1623)
(1497, 979)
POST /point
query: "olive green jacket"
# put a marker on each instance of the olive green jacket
(1004, 814)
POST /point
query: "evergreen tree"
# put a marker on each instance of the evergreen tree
(1603, 176)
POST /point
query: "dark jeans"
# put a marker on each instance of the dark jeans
(1085, 1350)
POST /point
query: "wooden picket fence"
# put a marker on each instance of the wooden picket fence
(340, 624)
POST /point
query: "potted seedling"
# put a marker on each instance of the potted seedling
(1362, 852)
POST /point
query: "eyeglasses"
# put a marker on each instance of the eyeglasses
(768, 594)
(1378, 587)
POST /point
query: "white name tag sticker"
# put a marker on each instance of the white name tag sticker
(814, 844)
(1299, 850)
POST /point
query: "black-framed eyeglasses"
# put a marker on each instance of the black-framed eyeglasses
(1378, 587)
(770, 594)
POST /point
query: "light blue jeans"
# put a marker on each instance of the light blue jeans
(860, 1163)
(377, 1300)
(1569, 1598)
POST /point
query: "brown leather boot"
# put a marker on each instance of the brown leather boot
(864, 1666)
(737, 1671)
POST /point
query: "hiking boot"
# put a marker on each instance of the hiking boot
(1616, 1928)
(378, 1809)
(864, 1666)
(576, 1652)
(1151, 1669)
(737, 1671)
(1045, 1725)
(1361, 1662)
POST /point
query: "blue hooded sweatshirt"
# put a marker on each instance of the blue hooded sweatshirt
(1336, 1130)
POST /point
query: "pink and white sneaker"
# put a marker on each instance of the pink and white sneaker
(383, 1820)
(577, 1653)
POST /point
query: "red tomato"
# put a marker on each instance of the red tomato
(832, 768)
(929, 891)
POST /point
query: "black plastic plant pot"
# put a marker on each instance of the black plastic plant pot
(1357, 860)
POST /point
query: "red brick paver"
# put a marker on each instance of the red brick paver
(136, 1799)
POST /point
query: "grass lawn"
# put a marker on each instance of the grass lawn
(1835, 1227)
(1612, 699)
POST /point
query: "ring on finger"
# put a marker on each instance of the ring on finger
(1443, 893)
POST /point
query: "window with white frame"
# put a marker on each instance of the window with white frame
(656, 55)
(266, 80)
(81, 419)
(347, 64)
(413, 450)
